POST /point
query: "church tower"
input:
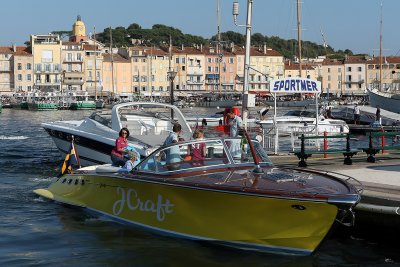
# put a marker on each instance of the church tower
(78, 31)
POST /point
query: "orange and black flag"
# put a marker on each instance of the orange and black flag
(71, 159)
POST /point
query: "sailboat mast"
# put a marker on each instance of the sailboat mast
(380, 51)
(299, 35)
(219, 50)
(112, 62)
(95, 64)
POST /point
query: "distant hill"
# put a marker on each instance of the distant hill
(160, 34)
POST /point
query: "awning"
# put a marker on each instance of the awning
(260, 93)
(212, 76)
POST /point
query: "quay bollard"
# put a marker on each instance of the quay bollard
(325, 144)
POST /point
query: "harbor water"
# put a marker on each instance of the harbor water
(36, 232)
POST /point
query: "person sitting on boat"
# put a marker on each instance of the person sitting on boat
(173, 153)
(132, 160)
(235, 123)
(118, 152)
(198, 150)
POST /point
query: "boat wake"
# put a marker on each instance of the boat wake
(18, 137)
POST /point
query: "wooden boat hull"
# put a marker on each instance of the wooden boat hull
(269, 223)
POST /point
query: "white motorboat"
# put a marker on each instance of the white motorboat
(149, 124)
(299, 124)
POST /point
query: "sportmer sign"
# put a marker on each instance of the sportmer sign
(295, 86)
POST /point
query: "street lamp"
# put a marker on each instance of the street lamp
(171, 77)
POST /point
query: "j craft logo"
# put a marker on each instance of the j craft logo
(130, 199)
(295, 86)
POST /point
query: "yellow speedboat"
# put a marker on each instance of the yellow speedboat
(233, 196)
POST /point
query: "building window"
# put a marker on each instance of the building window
(28, 66)
(69, 68)
(19, 77)
(348, 68)
(359, 68)
(28, 77)
(47, 56)
(19, 66)
(177, 60)
(230, 60)
(329, 70)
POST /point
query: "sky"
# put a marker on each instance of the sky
(345, 24)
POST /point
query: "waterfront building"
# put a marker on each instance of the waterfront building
(309, 71)
(93, 61)
(212, 71)
(179, 57)
(265, 64)
(239, 77)
(22, 62)
(195, 59)
(149, 67)
(354, 81)
(158, 66)
(333, 76)
(46, 51)
(16, 69)
(73, 71)
(6, 71)
(116, 75)
(390, 73)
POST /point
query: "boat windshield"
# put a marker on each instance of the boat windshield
(207, 153)
(102, 118)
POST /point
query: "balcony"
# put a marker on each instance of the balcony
(354, 82)
(50, 82)
(72, 60)
(189, 82)
(74, 81)
(74, 75)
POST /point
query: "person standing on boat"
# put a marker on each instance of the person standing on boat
(173, 153)
(118, 152)
(378, 114)
(356, 113)
(329, 113)
(235, 123)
